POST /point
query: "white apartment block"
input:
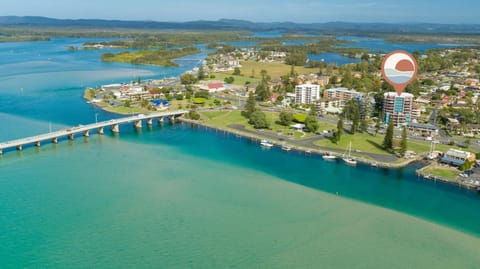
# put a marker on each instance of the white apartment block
(307, 93)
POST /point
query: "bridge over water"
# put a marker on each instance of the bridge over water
(86, 129)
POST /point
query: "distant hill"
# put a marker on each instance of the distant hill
(229, 24)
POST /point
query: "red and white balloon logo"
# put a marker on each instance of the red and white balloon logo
(399, 68)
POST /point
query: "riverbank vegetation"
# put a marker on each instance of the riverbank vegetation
(159, 57)
(23, 38)
(434, 39)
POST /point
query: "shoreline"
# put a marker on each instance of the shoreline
(319, 152)
(457, 182)
(294, 146)
(306, 150)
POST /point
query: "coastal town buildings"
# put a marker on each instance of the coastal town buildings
(343, 95)
(398, 108)
(307, 93)
(211, 86)
(457, 157)
(423, 129)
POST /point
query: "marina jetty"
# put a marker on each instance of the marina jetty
(85, 130)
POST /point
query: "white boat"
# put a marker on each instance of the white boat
(347, 158)
(266, 144)
(286, 147)
(329, 157)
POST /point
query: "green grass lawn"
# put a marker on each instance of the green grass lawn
(360, 141)
(444, 172)
(239, 80)
(422, 147)
(274, 70)
(222, 119)
(373, 144)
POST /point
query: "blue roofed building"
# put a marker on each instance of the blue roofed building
(457, 157)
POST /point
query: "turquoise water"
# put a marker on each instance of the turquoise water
(177, 196)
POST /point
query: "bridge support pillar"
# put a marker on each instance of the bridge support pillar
(171, 119)
(86, 133)
(137, 124)
(37, 144)
(160, 120)
(1, 152)
(71, 137)
(19, 147)
(150, 122)
(101, 131)
(55, 140)
(115, 128)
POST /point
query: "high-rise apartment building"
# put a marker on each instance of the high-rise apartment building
(398, 108)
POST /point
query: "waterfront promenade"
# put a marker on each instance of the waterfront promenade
(85, 130)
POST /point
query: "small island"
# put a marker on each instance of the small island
(159, 57)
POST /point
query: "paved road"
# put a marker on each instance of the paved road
(309, 143)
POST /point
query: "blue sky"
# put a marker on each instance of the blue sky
(440, 11)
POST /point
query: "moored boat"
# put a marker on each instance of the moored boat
(266, 144)
(329, 157)
(347, 158)
(286, 147)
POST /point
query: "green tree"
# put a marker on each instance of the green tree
(262, 90)
(388, 140)
(339, 132)
(236, 71)
(250, 105)
(259, 120)
(311, 123)
(187, 79)
(193, 115)
(467, 165)
(363, 125)
(127, 103)
(347, 80)
(296, 58)
(263, 73)
(286, 118)
(355, 120)
(179, 97)
(201, 73)
(144, 103)
(202, 94)
(333, 80)
(378, 124)
(292, 74)
(403, 142)
(229, 80)
(313, 110)
(352, 112)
